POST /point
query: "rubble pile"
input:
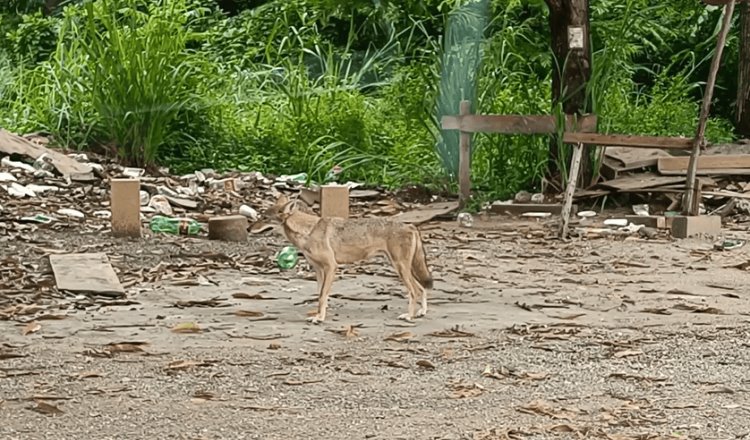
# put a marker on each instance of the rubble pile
(41, 186)
(659, 178)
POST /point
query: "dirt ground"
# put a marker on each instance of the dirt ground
(527, 337)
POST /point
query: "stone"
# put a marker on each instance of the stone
(228, 228)
(689, 226)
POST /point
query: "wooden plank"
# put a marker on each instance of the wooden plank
(641, 181)
(570, 189)
(738, 164)
(426, 213)
(464, 160)
(623, 140)
(14, 144)
(630, 158)
(86, 273)
(516, 124)
(610, 169)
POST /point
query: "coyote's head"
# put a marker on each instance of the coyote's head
(275, 215)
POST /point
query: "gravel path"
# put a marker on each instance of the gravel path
(527, 338)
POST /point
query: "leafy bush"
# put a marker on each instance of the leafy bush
(302, 85)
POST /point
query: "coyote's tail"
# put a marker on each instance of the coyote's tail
(419, 264)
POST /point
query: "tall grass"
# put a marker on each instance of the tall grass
(137, 73)
(303, 85)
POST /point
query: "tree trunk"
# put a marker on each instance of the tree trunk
(572, 71)
(743, 81)
(50, 6)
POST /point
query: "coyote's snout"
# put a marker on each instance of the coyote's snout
(328, 242)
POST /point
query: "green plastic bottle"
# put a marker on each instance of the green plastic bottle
(176, 226)
(287, 257)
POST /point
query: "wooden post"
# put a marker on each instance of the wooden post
(464, 160)
(570, 189)
(125, 204)
(743, 76)
(690, 203)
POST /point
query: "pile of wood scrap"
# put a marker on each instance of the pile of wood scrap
(651, 173)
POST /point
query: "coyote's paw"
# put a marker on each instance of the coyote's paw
(421, 312)
(315, 319)
(406, 317)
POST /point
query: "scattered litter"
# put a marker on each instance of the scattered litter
(70, 213)
(465, 219)
(641, 210)
(248, 212)
(616, 222)
(537, 214)
(587, 214)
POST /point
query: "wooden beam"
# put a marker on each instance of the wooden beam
(733, 164)
(623, 140)
(690, 204)
(517, 124)
(570, 189)
(464, 160)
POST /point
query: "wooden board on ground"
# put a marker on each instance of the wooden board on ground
(89, 273)
(426, 213)
(735, 164)
(628, 158)
(641, 181)
(67, 166)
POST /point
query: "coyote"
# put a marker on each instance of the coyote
(328, 242)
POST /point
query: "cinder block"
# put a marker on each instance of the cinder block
(228, 228)
(125, 204)
(651, 221)
(334, 201)
(689, 226)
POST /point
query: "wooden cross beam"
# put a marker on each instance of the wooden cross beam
(468, 123)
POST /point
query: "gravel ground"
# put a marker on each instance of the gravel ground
(526, 338)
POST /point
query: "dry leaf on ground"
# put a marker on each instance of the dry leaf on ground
(31, 327)
(125, 347)
(348, 331)
(454, 332)
(301, 382)
(185, 364)
(248, 313)
(399, 337)
(541, 407)
(627, 353)
(46, 408)
(243, 295)
(187, 327)
(466, 390)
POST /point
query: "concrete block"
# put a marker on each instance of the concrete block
(689, 226)
(334, 201)
(651, 221)
(228, 228)
(125, 205)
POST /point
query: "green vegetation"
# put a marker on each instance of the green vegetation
(286, 86)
